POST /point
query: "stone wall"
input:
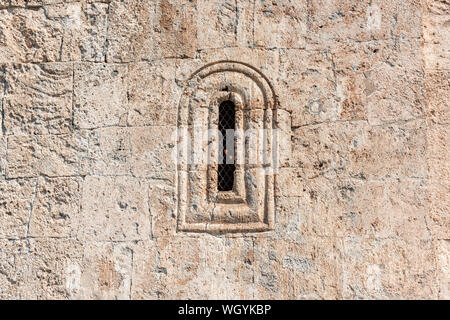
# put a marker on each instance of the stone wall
(90, 93)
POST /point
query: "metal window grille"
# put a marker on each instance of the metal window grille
(226, 167)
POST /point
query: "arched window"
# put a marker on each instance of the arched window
(227, 125)
(227, 150)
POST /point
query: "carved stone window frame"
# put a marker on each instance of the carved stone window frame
(249, 207)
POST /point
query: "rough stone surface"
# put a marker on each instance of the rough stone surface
(92, 93)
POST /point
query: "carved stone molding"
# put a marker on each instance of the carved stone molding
(249, 207)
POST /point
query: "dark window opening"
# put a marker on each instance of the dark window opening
(226, 168)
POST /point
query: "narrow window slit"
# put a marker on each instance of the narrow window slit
(226, 167)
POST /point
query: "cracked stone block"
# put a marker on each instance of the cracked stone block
(54, 266)
(358, 150)
(60, 32)
(50, 155)
(310, 269)
(388, 269)
(110, 212)
(56, 208)
(283, 24)
(100, 95)
(16, 198)
(151, 88)
(13, 268)
(224, 23)
(38, 98)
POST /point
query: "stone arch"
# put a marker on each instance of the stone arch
(249, 207)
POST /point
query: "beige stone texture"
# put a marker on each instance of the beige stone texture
(442, 248)
(98, 200)
(50, 155)
(389, 269)
(38, 98)
(14, 268)
(59, 31)
(16, 207)
(100, 95)
(56, 208)
(3, 148)
(111, 212)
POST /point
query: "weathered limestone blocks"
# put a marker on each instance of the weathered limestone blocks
(149, 30)
(310, 76)
(339, 207)
(222, 24)
(16, 201)
(69, 269)
(3, 163)
(137, 151)
(334, 22)
(436, 63)
(49, 155)
(60, 32)
(105, 272)
(358, 150)
(280, 25)
(100, 95)
(110, 212)
(200, 267)
(388, 269)
(89, 101)
(306, 269)
(151, 91)
(56, 208)
(141, 151)
(437, 95)
(381, 81)
(37, 98)
(162, 206)
(53, 264)
(13, 268)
